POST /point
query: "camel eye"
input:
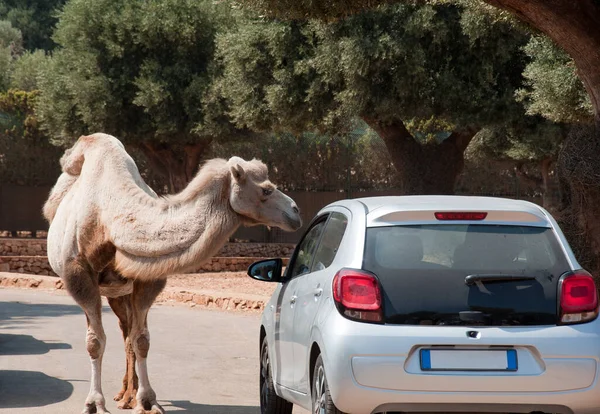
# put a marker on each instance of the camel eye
(267, 191)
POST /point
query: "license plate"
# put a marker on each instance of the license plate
(468, 360)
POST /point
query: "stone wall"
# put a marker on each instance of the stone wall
(37, 247)
(29, 256)
(22, 247)
(38, 265)
(34, 265)
(256, 250)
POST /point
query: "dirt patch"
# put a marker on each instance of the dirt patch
(232, 291)
(229, 283)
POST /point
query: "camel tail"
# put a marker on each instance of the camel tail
(71, 163)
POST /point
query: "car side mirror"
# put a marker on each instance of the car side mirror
(266, 270)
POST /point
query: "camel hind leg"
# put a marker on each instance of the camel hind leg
(121, 306)
(143, 296)
(82, 284)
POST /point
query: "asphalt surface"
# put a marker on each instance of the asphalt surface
(200, 361)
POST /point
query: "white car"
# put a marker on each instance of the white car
(430, 304)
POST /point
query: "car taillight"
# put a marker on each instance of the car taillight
(357, 295)
(578, 298)
(457, 216)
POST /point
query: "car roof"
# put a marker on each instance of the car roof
(390, 208)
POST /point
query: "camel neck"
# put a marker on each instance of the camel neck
(189, 228)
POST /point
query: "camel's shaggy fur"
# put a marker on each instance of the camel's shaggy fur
(111, 234)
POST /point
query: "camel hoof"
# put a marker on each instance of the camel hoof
(126, 404)
(92, 408)
(149, 408)
(126, 400)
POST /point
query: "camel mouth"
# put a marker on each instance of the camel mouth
(293, 222)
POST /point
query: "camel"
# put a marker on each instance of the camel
(111, 235)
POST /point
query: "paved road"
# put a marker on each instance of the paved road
(200, 361)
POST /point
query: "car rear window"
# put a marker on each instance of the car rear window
(423, 269)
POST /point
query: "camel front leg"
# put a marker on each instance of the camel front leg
(121, 306)
(144, 294)
(83, 287)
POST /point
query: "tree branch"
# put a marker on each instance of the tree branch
(461, 139)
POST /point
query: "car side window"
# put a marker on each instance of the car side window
(306, 250)
(330, 241)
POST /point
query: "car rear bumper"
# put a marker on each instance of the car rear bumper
(375, 368)
(378, 401)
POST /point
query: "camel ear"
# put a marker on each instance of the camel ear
(238, 173)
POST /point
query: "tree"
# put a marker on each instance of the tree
(573, 25)
(403, 69)
(25, 70)
(10, 48)
(136, 70)
(35, 19)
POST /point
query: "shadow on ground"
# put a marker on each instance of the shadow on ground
(20, 389)
(194, 408)
(27, 345)
(19, 314)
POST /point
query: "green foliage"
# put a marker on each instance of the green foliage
(36, 20)
(303, 9)
(398, 62)
(25, 70)
(358, 160)
(553, 89)
(10, 48)
(530, 140)
(137, 70)
(26, 157)
(331, 10)
(10, 37)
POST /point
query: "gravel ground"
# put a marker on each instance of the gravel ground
(230, 282)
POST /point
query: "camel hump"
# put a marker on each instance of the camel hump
(74, 157)
(71, 163)
(72, 160)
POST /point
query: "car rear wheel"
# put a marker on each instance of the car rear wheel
(270, 402)
(321, 398)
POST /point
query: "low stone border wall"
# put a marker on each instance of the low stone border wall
(38, 265)
(37, 247)
(30, 282)
(34, 265)
(226, 301)
(22, 247)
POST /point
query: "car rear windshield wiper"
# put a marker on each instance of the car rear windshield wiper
(472, 279)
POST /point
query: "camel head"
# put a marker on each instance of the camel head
(257, 199)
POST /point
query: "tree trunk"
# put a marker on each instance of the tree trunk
(424, 169)
(574, 25)
(178, 167)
